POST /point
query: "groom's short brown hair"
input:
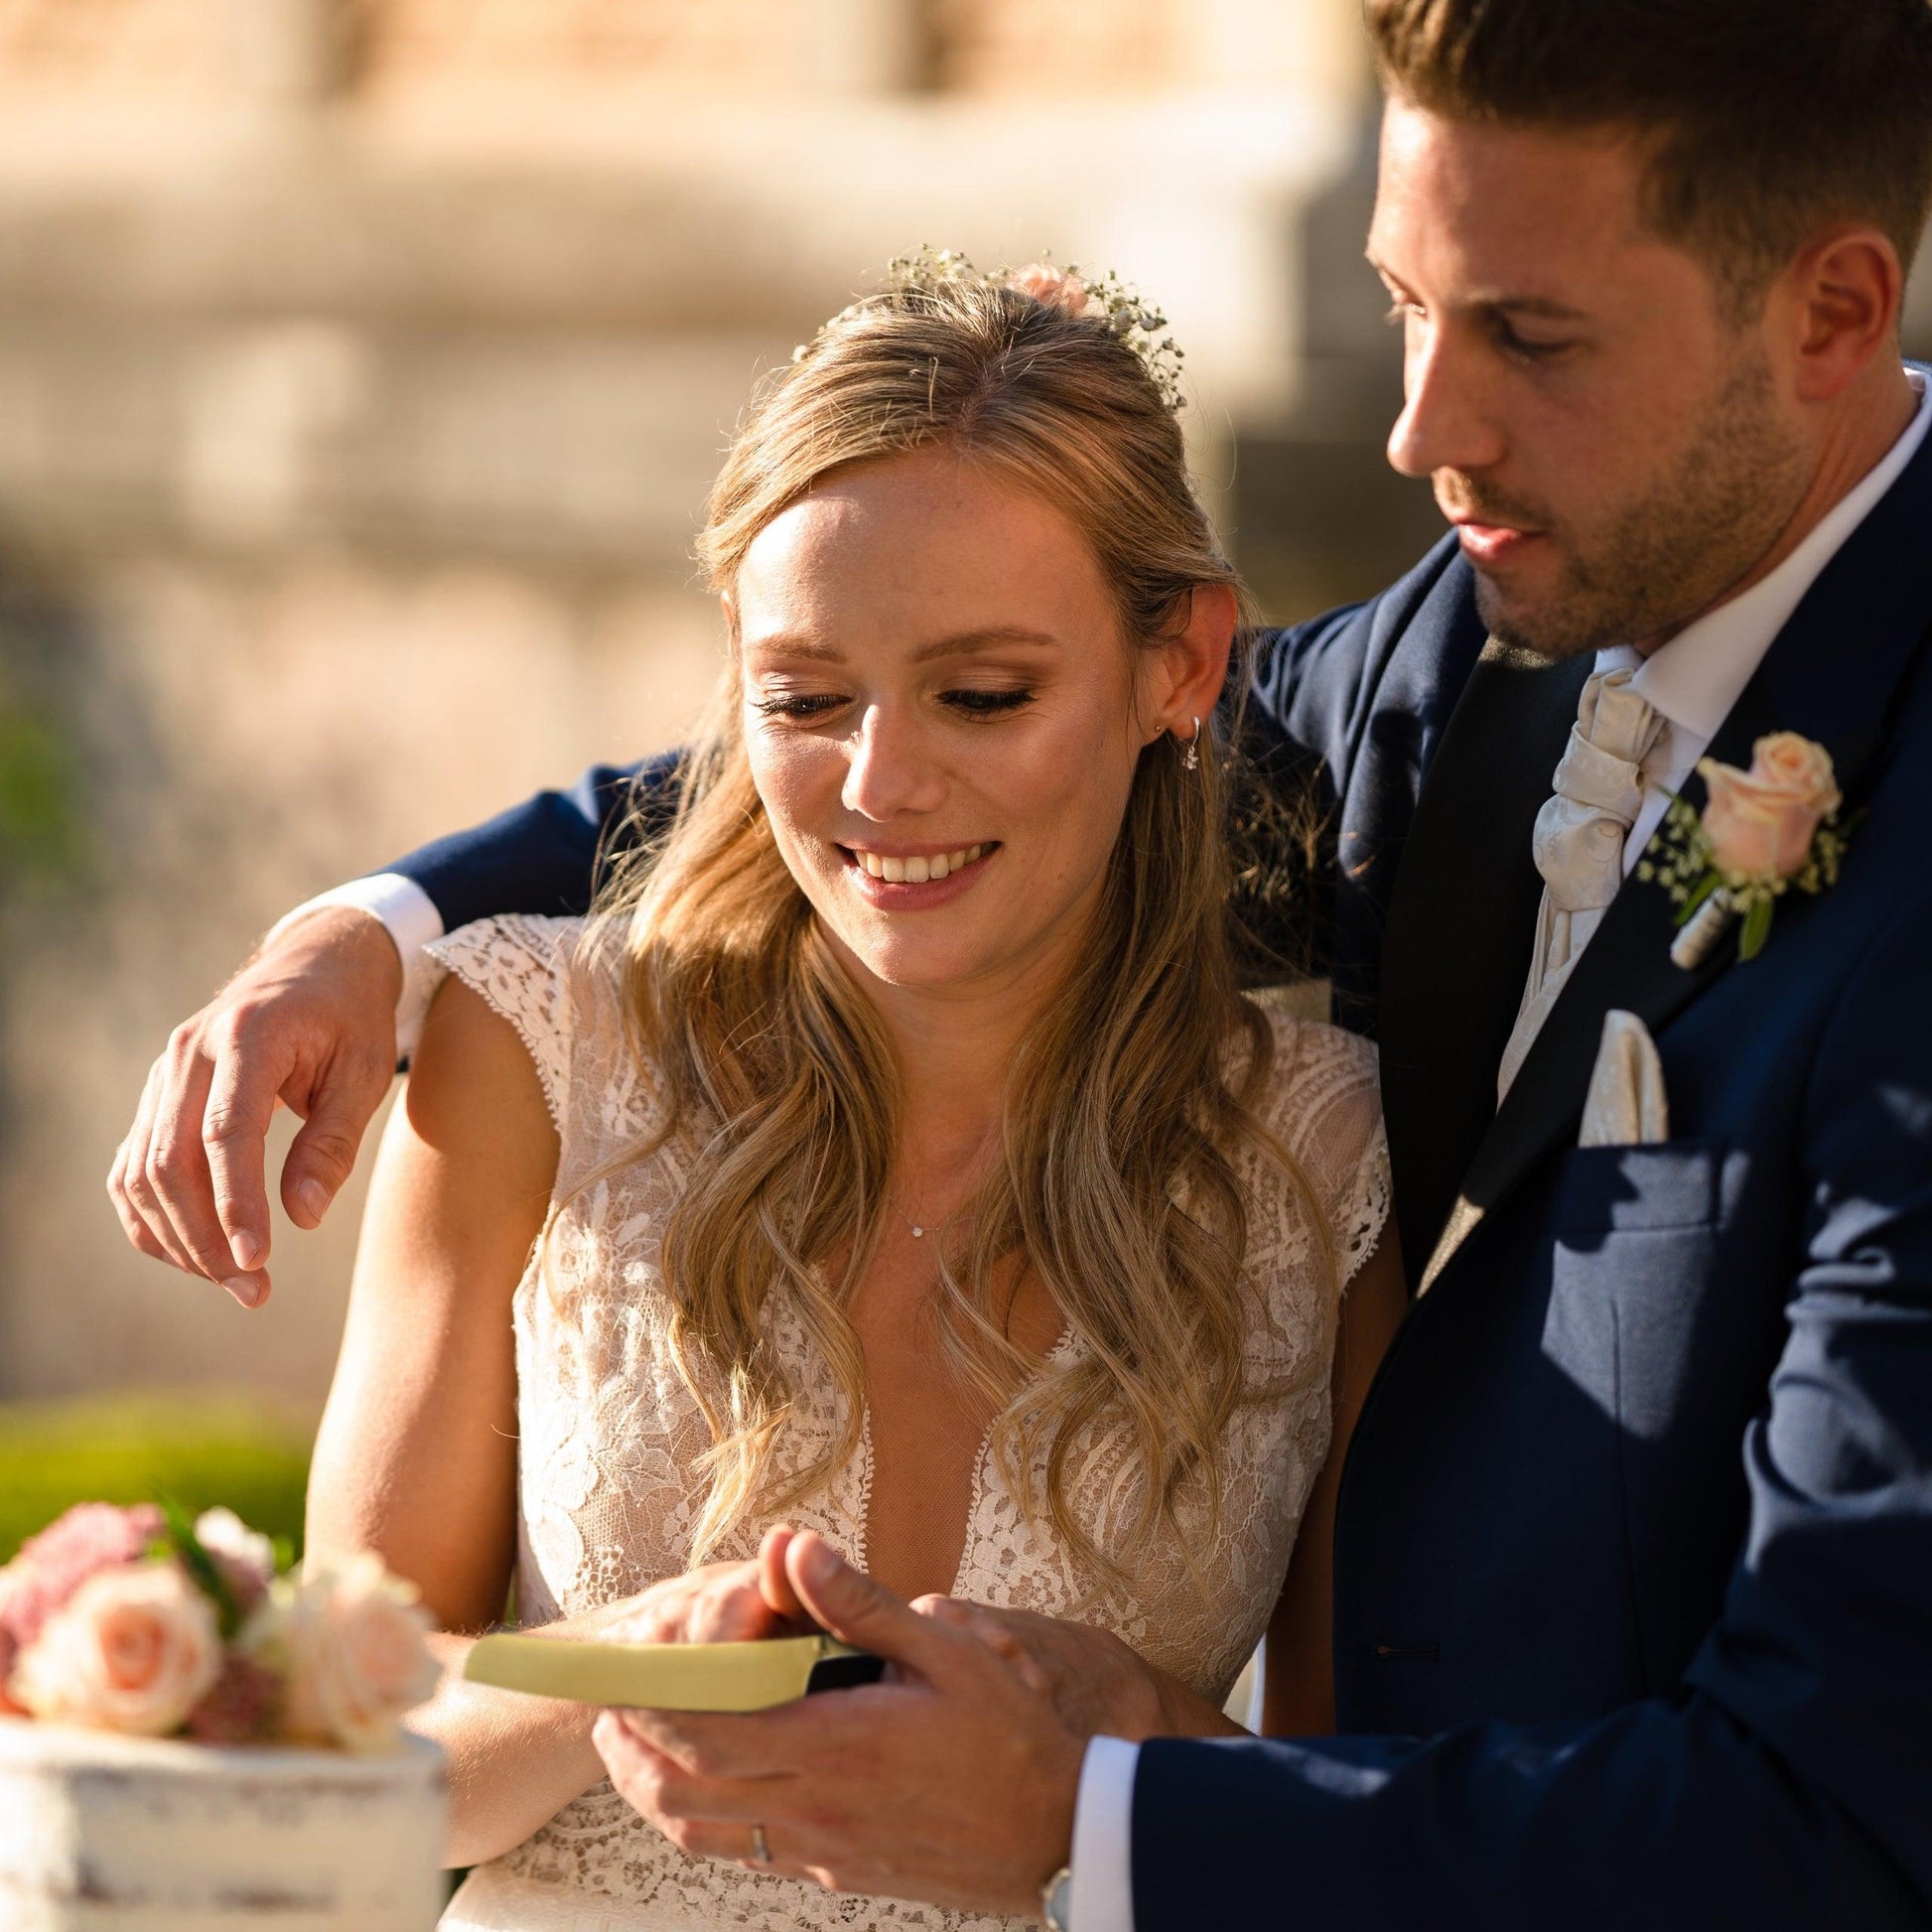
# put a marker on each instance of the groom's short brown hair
(1770, 118)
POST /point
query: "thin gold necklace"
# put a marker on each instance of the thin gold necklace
(921, 1227)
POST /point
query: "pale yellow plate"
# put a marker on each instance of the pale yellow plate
(669, 1676)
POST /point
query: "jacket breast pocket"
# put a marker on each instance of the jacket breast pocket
(1610, 1190)
(1633, 1238)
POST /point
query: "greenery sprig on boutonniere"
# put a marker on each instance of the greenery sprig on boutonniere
(1765, 832)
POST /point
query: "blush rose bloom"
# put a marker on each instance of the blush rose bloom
(133, 1650)
(353, 1638)
(1762, 822)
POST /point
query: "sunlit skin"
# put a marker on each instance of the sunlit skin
(932, 661)
(1620, 452)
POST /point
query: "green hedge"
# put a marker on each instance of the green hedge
(201, 1453)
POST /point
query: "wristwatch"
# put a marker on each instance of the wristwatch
(1056, 1901)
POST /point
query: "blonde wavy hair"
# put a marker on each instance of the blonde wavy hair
(1115, 1184)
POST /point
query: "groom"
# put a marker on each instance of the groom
(1633, 1600)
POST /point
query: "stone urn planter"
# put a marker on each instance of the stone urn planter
(102, 1832)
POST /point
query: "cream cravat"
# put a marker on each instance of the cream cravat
(1579, 843)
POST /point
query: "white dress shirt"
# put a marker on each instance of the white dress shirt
(1692, 681)
(410, 916)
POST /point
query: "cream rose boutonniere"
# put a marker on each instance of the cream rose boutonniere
(1762, 833)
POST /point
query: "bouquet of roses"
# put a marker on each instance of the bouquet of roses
(139, 1620)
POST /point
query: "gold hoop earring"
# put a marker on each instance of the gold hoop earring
(1192, 761)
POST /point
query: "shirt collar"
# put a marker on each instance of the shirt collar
(1696, 678)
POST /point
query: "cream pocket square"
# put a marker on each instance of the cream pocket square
(1625, 1106)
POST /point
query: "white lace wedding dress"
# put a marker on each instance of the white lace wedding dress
(609, 1437)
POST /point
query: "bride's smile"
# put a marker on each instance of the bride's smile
(889, 877)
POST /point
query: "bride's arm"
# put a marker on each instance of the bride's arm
(1299, 1686)
(417, 1453)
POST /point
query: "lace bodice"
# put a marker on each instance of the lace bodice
(610, 1438)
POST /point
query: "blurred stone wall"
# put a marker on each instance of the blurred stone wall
(363, 364)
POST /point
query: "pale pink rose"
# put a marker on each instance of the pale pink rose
(1053, 286)
(1762, 822)
(354, 1641)
(134, 1650)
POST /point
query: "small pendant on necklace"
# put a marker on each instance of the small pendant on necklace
(918, 1234)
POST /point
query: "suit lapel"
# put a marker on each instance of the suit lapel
(1831, 675)
(1461, 918)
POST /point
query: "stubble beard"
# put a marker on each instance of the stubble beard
(1728, 496)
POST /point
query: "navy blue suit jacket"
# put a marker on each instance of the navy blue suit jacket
(1633, 1575)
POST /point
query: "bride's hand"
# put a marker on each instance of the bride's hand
(1100, 1686)
(722, 1603)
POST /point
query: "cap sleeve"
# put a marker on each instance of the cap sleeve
(523, 966)
(1323, 1103)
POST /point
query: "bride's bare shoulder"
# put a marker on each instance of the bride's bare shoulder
(476, 1090)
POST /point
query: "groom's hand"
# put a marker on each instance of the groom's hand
(952, 1781)
(309, 1022)
(1101, 1687)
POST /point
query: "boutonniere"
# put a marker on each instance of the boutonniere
(1765, 832)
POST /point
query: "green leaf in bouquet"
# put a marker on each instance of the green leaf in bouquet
(186, 1546)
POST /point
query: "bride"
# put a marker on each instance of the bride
(890, 1152)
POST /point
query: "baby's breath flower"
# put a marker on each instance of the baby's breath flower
(1121, 308)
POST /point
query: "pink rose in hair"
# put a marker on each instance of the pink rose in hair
(51, 1566)
(134, 1649)
(1053, 286)
(1762, 822)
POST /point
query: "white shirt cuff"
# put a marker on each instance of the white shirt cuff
(409, 915)
(1103, 1838)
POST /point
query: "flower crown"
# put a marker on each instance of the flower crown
(1105, 297)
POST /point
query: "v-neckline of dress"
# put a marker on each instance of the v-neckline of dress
(1061, 1352)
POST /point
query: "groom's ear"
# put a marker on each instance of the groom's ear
(1842, 295)
(1193, 662)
